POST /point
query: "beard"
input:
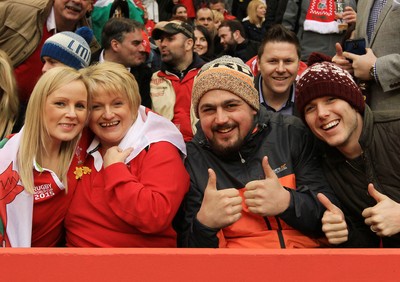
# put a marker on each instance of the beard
(226, 149)
(230, 48)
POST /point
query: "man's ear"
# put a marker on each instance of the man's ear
(236, 35)
(189, 44)
(114, 45)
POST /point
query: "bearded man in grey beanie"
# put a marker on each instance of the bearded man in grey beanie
(254, 174)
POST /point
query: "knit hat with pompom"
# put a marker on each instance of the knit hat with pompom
(327, 79)
(71, 49)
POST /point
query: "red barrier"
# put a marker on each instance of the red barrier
(40, 264)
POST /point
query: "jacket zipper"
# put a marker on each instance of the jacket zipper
(242, 160)
(278, 231)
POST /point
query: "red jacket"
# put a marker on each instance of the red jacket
(171, 96)
(129, 205)
(189, 8)
(132, 204)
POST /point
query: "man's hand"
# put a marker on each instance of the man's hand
(384, 217)
(340, 60)
(266, 197)
(349, 15)
(362, 63)
(220, 208)
(333, 222)
(115, 155)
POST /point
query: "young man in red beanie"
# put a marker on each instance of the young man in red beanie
(361, 159)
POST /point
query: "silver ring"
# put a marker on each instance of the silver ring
(372, 229)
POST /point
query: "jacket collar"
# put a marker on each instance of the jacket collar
(197, 63)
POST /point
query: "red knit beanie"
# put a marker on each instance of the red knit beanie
(327, 79)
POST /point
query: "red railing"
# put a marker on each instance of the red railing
(40, 264)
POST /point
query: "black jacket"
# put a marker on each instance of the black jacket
(379, 164)
(245, 51)
(253, 32)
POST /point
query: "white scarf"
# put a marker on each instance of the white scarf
(147, 129)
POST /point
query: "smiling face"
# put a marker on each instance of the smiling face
(200, 43)
(65, 111)
(110, 118)
(278, 66)
(335, 122)
(225, 120)
(70, 11)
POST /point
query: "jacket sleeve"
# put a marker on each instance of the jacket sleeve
(162, 95)
(305, 211)
(191, 233)
(290, 16)
(360, 235)
(147, 193)
(388, 71)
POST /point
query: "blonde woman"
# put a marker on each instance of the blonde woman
(36, 163)
(218, 18)
(8, 97)
(254, 24)
(137, 178)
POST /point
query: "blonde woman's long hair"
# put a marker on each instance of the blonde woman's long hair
(35, 132)
(252, 12)
(113, 79)
(9, 103)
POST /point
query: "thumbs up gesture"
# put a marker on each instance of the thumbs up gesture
(220, 208)
(384, 217)
(342, 61)
(266, 197)
(333, 222)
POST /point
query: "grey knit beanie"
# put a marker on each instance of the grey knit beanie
(226, 73)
